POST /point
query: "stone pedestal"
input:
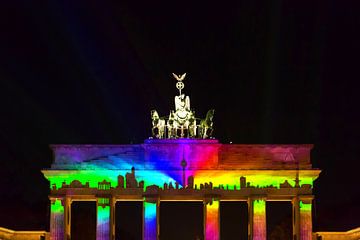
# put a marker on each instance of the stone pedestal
(56, 219)
(212, 221)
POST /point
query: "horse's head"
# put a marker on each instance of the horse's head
(154, 114)
(171, 115)
(210, 114)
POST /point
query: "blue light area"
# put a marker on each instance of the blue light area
(150, 211)
(150, 228)
(109, 168)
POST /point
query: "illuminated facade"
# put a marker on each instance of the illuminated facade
(181, 163)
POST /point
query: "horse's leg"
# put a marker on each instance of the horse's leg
(205, 132)
(211, 132)
(193, 131)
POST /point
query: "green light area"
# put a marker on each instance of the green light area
(150, 211)
(103, 201)
(57, 207)
(91, 176)
(96, 176)
(103, 214)
(259, 206)
(305, 206)
(213, 206)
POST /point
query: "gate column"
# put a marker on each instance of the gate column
(112, 217)
(151, 219)
(212, 220)
(67, 217)
(103, 219)
(257, 219)
(56, 219)
(302, 219)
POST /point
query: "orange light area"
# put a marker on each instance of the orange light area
(212, 221)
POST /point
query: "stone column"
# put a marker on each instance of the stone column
(103, 219)
(211, 220)
(151, 219)
(305, 219)
(257, 219)
(112, 218)
(67, 218)
(296, 218)
(302, 219)
(56, 219)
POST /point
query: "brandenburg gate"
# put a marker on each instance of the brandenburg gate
(181, 162)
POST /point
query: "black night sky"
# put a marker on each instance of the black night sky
(78, 72)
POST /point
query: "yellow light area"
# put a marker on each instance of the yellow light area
(305, 206)
(259, 206)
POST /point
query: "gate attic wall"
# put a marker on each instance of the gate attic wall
(168, 154)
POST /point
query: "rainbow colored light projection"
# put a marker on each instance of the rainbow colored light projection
(57, 219)
(103, 223)
(259, 219)
(228, 179)
(150, 221)
(212, 230)
(305, 221)
(158, 164)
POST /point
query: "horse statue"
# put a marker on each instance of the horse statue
(207, 124)
(191, 125)
(157, 124)
(172, 125)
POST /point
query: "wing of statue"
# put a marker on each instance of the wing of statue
(182, 77)
(176, 77)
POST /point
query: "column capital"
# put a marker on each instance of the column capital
(53, 199)
(103, 201)
(303, 198)
(257, 197)
(306, 198)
